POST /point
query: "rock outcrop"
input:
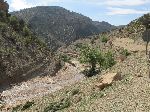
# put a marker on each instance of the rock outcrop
(108, 79)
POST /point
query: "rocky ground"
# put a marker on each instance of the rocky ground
(40, 86)
(131, 94)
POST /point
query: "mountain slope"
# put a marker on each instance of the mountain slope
(104, 26)
(59, 26)
(129, 94)
(22, 54)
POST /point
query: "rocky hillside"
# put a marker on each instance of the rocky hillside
(130, 92)
(104, 26)
(59, 26)
(22, 54)
(133, 30)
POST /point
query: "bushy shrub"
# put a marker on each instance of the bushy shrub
(95, 57)
(22, 107)
(104, 39)
(55, 106)
(28, 40)
(64, 57)
(125, 52)
(17, 108)
(26, 31)
(109, 60)
(14, 23)
(92, 56)
(3, 17)
(78, 45)
(3, 27)
(75, 91)
(22, 24)
(27, 105)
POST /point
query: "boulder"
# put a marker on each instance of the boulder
(107, 80)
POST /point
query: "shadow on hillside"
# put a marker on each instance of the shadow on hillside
(26, 73)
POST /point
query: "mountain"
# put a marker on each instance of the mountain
(58, 26)
(104, 26)
(133, 30)
(127, 91)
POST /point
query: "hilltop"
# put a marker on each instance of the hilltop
(58, 26)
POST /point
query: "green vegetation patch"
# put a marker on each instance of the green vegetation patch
(104, 39)
(96, 59)
(21, 107)
(65, 57)
(55, 106)
(27, 105)
(75, 91)
(125, 52)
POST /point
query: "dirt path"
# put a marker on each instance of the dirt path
(129, 44)
(41, 86)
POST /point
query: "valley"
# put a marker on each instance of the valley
(55, 60)
(58, 26)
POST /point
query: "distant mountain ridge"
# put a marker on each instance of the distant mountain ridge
(59, 26)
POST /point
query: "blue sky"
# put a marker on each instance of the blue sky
(116, 12)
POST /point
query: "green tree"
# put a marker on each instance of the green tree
(95, 58)
(26, 31)
(2, 16)
(14, 23)
(104, 39)
(146, 22)
(109, 60)
(22, 24)
(92, 56)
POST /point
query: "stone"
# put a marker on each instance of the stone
(107, 80)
